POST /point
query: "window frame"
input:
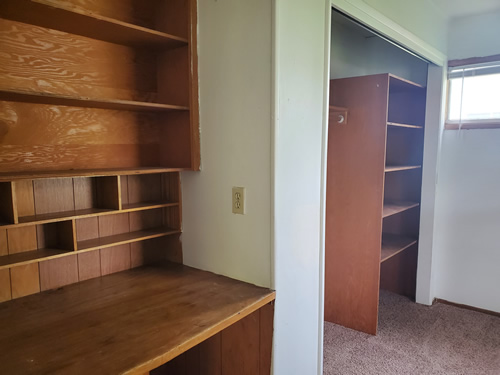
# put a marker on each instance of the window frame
(469, 124)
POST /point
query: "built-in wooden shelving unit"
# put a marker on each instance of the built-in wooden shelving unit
(373, 196)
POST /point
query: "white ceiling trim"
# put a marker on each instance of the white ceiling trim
(372, 18)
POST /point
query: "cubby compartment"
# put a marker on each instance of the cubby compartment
(31, 244)
(404, 147)
(7, 215)
(150, 190)
(406, 102)
(399, 232)
(125, 228)
(401, 191)
(75, 196)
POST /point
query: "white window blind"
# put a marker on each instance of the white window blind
(474, 95)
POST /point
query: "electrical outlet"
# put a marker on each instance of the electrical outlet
(239, 200)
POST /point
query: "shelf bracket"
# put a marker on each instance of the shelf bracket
(338, 115)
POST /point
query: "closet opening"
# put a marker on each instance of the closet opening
(374, 174)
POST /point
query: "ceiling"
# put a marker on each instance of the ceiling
(460, 8)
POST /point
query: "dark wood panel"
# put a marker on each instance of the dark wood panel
(147, 252)
(55, 273)
(8, 212)
(45, 199)
(171, 187)
(163, 311)
(115, 259)
(144, 188)
(113, 224)
(108, 192)
(266, 338)
(355, 177)
(5, 292)
(399, 273)
(141, 220)
(89, 265)
(25, 280)
(241, 356)
(211, 356)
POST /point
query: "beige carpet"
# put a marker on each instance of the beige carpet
(416, 339)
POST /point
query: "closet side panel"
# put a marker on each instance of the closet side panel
(355, 179)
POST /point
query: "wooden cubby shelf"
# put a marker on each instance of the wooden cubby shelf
(163, 310)
(395, 168)
(86, 173)
(124, 238)
(393, 244)
(393, 208)
(397, 125)
(73, 20)
(8, 261)
(73, 101)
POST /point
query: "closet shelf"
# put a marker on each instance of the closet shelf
(86, 173)
(395, 168)
(73, 101)
(77, 21)
(86, 213)
(8, 261)
(398, 84)
(124, 238)
(395, 124)
(393, 244)
(393, 208)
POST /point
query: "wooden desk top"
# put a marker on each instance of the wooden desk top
(126, 323)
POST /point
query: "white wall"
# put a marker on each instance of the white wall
(468, 199)
(474, 36)
(235, 115)
(355, 53)
(301, 48)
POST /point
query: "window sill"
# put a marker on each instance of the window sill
(473, 125)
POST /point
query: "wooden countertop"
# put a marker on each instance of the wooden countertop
(129, 322)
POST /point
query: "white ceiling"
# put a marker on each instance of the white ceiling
(460, 8)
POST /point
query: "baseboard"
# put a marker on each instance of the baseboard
(467, 307)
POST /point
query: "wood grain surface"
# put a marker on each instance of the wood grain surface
(164, 311)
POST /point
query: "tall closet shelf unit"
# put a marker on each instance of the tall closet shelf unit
(373, 196)
(98, 118)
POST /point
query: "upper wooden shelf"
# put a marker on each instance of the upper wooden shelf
(86, 173)
(395, 124)
(73, 101)
(393, 244)
(393, 208)
(95, 327)
(395, 168)
(398, 84)
(85, 23)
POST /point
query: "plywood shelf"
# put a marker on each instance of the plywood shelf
(395, 168)
(393, 244)
(77, 21)
(146, 206)
(164, 311)
(124, 238)
(395, 124)
(86, 102)
(86, 173)
(393, 208)
(8, 261)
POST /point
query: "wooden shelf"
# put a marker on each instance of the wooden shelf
(85, 23)
(393, 208)
(395, 124)
(400, 84)
(64, 100)
(164, 311)
(395, 168)
(86, 173)
(393, 244)
(146, 206)
(124, 238)
(8, 261)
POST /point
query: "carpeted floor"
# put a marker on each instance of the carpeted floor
(417, 340)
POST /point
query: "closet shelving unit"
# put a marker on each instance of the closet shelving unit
(373, 196)
(98, 118)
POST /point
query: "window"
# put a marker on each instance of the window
(474, 96)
